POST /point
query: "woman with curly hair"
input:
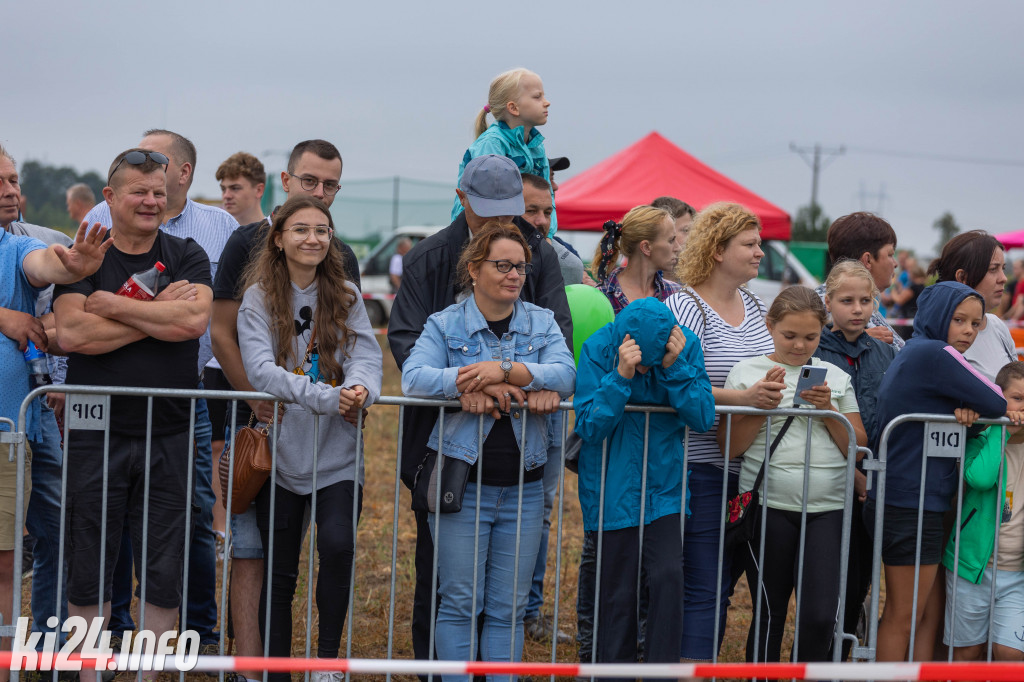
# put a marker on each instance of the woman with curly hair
(305, 337)
(722, 254)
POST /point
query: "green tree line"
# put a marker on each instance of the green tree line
(45, 187)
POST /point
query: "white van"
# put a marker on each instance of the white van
(779, 268)
(377, 292)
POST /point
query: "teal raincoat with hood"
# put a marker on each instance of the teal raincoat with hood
(601, 397)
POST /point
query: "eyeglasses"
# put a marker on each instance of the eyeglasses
(505, 266)
(309, 184)
(137, 158)
(301, 231)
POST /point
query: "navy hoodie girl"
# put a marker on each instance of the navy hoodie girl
(930, 376)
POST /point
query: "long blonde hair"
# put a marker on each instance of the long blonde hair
(334, 300)
(640, 224)
(504, 88)
(710, 234)
(847, 267)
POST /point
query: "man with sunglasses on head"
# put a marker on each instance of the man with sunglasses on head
(115, 340)
(314, 168)
(490, 187)
(210, 227)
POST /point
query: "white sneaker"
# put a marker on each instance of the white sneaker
(326, 676)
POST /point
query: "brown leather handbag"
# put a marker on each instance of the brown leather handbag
(252, 466)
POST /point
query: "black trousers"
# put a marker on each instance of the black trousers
(777, 577)
(335, 546)
(618, 613)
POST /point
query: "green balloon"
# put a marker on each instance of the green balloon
(590, 310)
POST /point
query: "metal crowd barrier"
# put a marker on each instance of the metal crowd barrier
(949, 441)
(95, 395)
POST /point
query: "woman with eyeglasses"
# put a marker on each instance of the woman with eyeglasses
(487, 351)
(305, 337)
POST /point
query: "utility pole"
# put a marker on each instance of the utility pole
(815, 162)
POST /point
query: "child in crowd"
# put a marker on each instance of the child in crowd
(929, 375)
(795, 321)
(850, 294)
(516, 101)
(993, 471)
(642, 357)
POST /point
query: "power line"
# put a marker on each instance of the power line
(938, 157)
(814, 161)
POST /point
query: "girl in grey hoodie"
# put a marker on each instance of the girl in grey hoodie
(305, 337)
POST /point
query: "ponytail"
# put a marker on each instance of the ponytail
(607, 252)
(480, 124)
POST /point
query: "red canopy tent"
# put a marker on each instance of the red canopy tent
(1011, 240)
(648, 169)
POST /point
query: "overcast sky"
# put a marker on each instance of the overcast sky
(396, 86)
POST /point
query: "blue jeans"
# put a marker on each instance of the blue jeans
(202, 563)
(551, 469)
(496, 563)
(43, 523)
(701, 560)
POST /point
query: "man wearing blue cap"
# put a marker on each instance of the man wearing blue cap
(490, 187)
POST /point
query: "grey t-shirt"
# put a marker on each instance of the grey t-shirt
(570, 263)
(992, 349)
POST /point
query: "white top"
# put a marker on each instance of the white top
(724, 346)
(785, 474)
(1011, 533)
(395, 265)
(992, 349)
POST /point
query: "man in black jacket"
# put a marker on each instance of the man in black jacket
(491, 187)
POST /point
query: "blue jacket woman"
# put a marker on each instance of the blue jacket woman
(489, 350)
(459, 336)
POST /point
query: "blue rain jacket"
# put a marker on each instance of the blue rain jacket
(601, 397)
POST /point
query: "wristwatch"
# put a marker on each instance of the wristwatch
(506, 367)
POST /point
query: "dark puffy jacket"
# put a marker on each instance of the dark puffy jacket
(865, 360)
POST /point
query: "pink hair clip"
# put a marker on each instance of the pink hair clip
(487, 108)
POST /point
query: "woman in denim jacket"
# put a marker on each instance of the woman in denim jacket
(488, 350)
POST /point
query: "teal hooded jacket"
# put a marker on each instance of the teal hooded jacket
(528, 155)
(601, 397)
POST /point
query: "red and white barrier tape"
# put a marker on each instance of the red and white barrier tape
(797, 671)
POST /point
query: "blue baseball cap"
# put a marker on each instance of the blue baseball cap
(493, 186)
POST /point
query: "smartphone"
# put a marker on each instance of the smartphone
(810, 376)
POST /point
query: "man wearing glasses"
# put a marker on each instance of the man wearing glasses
(490, 187)
(210, 227)
(314, 169)
(121, 341)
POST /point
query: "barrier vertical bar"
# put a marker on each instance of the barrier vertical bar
(189, 482)
(311, 557)
(802, 543)
(394, 539)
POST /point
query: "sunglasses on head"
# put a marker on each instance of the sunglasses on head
(137, 158)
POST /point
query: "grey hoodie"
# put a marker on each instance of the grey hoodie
(309, 403)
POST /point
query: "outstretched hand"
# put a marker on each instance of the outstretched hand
(86, 255)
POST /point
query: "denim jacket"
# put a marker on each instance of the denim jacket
(459, 336)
